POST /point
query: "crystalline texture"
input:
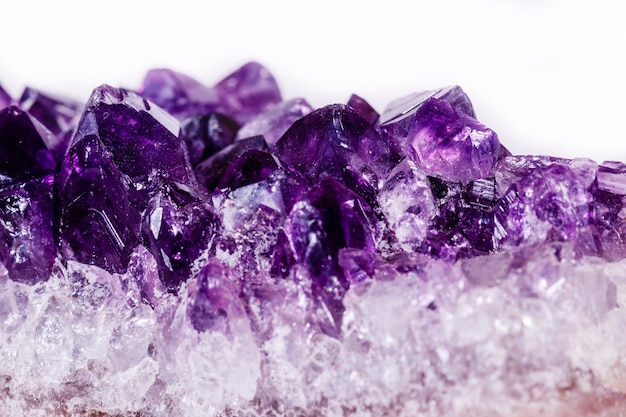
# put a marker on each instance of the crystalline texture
(336, 142)
(207, 134)
(273, 123)
(139, 136)
(179, 94)
(178, 228)
(330, 263)
(98, 224)
(329, 218)
(27, 245)
(450, 144)
(248, 91)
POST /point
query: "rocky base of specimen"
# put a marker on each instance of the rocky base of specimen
(192, 251)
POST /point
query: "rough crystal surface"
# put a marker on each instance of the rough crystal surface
(273, 259)
(451, 144)
(336, 142)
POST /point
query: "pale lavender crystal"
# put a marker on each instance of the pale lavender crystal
(336, 142)
(248, 91)
(207, 134)
(396, 120)
(5, 98)
(451, 144)
(275, 121)
(365, 110)
(179, 94)
(551, 202)
(408, 204)
(609, 205)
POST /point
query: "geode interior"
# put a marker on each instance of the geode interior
(185, 250)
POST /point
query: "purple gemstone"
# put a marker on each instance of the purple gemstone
(27, 243)
(357, 265)
(248, 91)
(98, 225)
(336, 142)
(57, 114)
(609, 206)
(273, 123)
(210, 171)
(141, 138)
(5, 98)
(450, 144)
(207, 134)
(396, 120)
(179, 94)
(24, 151)
(407, 202)
(178, 229)
(330, 217)
(365, 110)
(550, 203)
(215, 302)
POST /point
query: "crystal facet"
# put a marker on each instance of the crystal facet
(190, 251)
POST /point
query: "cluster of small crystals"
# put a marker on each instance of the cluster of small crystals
(184, 250)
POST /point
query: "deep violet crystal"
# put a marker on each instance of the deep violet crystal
(27, 167)
(335, 142)
(207, 134)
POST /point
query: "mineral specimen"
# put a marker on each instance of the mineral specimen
(186, 250)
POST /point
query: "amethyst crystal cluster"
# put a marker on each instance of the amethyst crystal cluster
(185, 250)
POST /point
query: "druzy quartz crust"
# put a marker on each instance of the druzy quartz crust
(190, 250)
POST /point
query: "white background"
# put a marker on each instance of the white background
(548, 76)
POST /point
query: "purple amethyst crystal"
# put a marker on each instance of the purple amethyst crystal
(609, 206)
(210, 171)
(178, 94)
(27, 245)
(98, 225)
(551, 202)
(407, 203)
(178, 228)
(55, 113)
(336, 142)
(248, 91)
(268, 258)
(5, 98)
(330, 217)
(273, 123)
(396, 120)
(216, 301)
(24, 151)
(140, 137)
(207, 134)
(365, 110)
(451, 144)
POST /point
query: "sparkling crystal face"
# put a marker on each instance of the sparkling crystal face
(190, 250)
